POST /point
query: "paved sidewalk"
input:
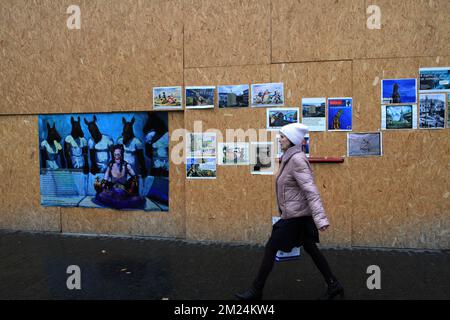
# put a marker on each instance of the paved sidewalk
(33, 266)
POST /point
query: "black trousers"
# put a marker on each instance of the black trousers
(269, 260)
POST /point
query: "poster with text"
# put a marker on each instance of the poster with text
(313, 113)
(340, 114)
(434, 79)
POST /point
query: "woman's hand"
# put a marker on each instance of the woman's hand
(324, 228)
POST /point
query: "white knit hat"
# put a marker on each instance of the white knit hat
(295, 132)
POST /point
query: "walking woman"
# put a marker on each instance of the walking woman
(302, 215)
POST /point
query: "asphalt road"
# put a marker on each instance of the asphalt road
(34, 266)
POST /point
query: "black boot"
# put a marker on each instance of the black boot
(334, 289)
(250, 294)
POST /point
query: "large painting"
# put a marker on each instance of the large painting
(105, 160)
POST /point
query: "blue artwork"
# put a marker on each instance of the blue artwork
(398, 91)
(340, 114)
(117, 160)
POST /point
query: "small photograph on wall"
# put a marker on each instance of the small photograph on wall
(261, 158)
(278, 143)
(313, 113)
(305, 145)
(279, 117)
(233, 153)
(106, 160)
(201, 168)
(201, 145)
(201, 97)
(432, 111)
(233, 96)
(167, 98)
(448, 110)
(434, 79)
(397, 117)
(398, 91)
(340, 114)
(268, 95)
(201, 155)
(364, 144)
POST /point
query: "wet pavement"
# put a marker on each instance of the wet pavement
(34, 265)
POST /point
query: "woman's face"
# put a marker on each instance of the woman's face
(285, 143)
(117, 154)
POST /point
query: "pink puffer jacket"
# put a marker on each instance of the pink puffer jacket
(297, 194)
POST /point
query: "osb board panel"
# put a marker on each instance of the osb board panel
(90, 63)
(323, 79)
(19, 167)
(128, 46)
(237, 205)
(227, 76)
(233, 207)
(76, 73)
(334, 30)
(163, 224)
(122, 50)
(225, 33)
(20, 62)
(402, 199)
(51, 69)
(367, 76)
(112, 30)
(160, 62)
(397, 176)
(332, 180)
(146, 50)
(328, 144)
(313, 79)
(408, 29)
(304, 30)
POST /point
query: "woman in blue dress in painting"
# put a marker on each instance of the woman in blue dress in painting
(115, 190)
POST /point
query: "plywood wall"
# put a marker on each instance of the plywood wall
(20, 194)
(401, 199)
(237, 205)
(306, 30)
(316, 48)
(160, 224)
